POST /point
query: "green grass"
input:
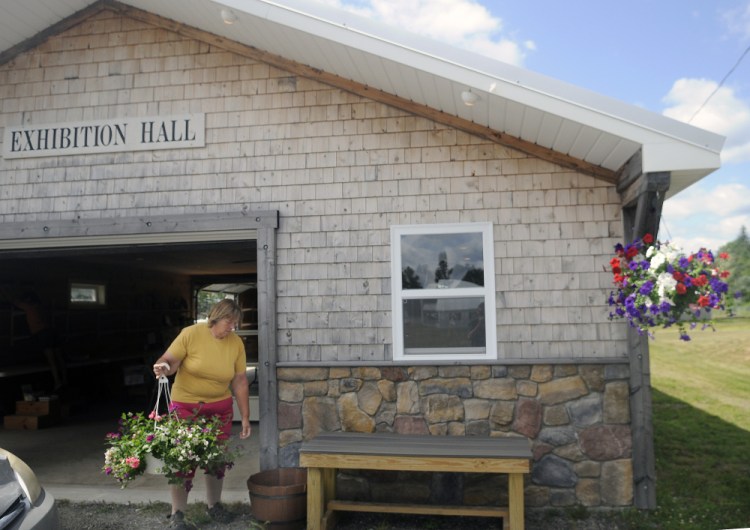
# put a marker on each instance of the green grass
(710, 372)
(701, 400)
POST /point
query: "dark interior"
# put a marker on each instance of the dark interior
(101, 351)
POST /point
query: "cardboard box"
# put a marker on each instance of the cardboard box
(28, 423)
(38, 408)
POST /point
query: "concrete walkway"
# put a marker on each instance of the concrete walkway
(67, 459)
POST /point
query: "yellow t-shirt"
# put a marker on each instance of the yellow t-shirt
(208, 364)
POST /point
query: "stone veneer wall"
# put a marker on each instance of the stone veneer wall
(576, 416)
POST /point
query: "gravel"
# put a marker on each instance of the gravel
(153, 516)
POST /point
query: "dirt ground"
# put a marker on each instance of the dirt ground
(153, 516)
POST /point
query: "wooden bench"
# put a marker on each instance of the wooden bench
(328, 452)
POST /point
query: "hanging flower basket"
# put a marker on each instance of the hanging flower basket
(658, 285)
(166, 445)
(154, 465)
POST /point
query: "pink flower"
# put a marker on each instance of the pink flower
(133, 461)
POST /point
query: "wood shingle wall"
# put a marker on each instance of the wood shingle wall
(339, 168)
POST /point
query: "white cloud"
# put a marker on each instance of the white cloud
(698, 217)
(738, 20)
(725, 114)
(724, 199)
(462, 23)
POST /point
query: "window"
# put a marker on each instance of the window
(443, 283)
(87, 294)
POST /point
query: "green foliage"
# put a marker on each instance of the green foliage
(206, 301)
(739, 265)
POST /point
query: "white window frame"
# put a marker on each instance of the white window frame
(487, 292)
(99, 290)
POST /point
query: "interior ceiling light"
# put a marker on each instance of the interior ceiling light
(228, 16)
(469, 98)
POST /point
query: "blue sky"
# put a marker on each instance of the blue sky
(667, 56)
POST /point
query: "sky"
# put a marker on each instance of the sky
(686, 59)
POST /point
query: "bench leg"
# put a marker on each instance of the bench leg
(315, 501)
(515, 500)
(328, 477)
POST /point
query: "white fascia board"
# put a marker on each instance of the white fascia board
(670, 156)
(641, 126)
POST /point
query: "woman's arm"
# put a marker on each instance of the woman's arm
(167, 364)
(241, 392)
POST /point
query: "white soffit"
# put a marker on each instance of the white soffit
(541, 110)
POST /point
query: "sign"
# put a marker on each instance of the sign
(105, 136)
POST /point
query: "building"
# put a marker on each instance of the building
(153, 148)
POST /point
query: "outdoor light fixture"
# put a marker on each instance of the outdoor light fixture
(469, 98)
(228, 16)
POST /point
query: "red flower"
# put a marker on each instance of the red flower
(700, 280)
(631, 252)
(724, 255)
(677, 275)
(619, 278)
(703, 301)
(648, 239)
(724, 274)
(681, 289)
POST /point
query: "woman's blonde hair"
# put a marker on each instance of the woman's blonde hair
(228, 309)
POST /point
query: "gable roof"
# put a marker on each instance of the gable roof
(542, 113)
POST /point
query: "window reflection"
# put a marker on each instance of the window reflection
(442, 261)
(444, 323)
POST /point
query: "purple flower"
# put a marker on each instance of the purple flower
(646, 288)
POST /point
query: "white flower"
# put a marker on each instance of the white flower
(665, 284)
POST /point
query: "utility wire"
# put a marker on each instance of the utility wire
(721, 83)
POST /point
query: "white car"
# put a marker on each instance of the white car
(24, 504)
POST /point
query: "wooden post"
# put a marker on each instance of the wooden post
(267, 382)
(315, 501)
(643, 198)
(515, 502)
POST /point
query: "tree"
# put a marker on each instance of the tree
(410, 279)
(739, 265)
(442, 272)
(474, 275)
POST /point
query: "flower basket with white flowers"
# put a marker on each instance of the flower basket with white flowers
(658, 285)
(181, 446)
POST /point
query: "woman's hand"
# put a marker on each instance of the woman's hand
(246, 429)
(165, 365)
(161, 369)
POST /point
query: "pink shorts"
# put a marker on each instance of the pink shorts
(222, 409)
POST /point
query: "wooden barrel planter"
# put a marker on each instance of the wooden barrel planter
(278, 497)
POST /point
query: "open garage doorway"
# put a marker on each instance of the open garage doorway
(111, 312)
(117, 292)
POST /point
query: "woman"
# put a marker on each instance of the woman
(208, 359)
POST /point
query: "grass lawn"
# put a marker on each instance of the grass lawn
(701, 399)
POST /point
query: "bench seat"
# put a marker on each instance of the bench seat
(329, 452)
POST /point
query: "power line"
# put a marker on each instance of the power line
(721, 83)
